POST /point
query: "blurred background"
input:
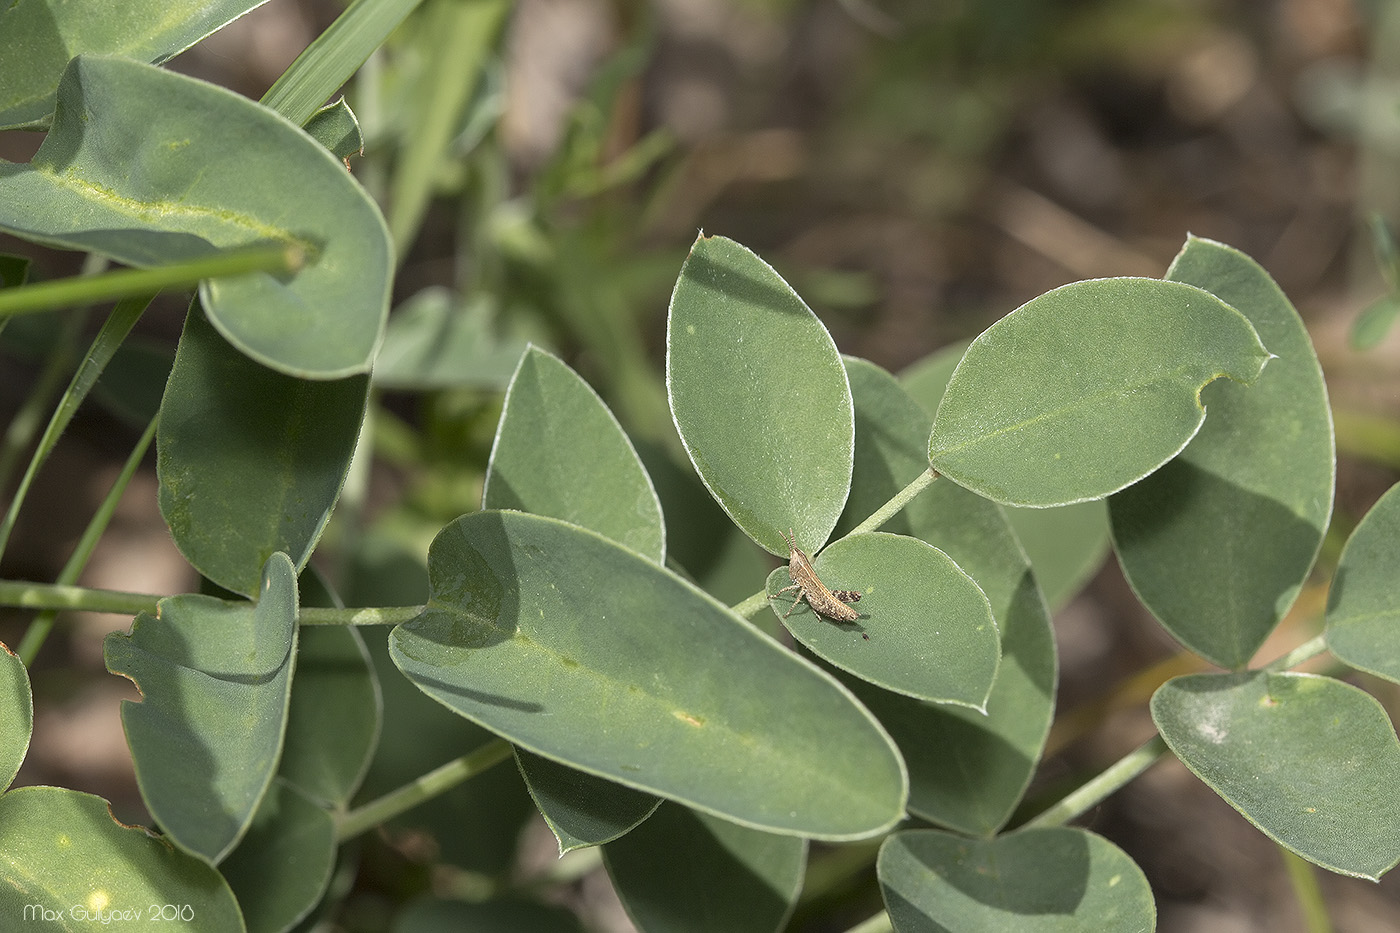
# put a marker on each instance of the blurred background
(916, 170)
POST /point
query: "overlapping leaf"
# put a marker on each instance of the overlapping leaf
(215, 679)
(148, 167)
(967, 769)
(288, 831)
(585, 652)
(1363, 607)
(1032, 881)
(72, 867)
(16, 715)
(925, 628)
(250, 460)
(685, 872)
(1307, 759)
(41, 37)
(1218, 542)
(759, 395)
(581, 809)
(1087, 389)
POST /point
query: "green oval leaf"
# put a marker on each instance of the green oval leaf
(434, 340)
(581, 809)
(1219, 541)
(250, 460)
(682, 871)
(16, 715)
(1034, 881)
(1066, 544)
(754, 378)
(560, 452)
(71, 866)
(289, 830)
(926, 629)
(333, 721)
(214, 679)
(1363, 606)
(1309, 760)
(580, 650)
(336, 127)
(149, 166)
(41, 37)
(1087, 389)
(967, 769)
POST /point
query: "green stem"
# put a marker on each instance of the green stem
(751, 606)
(424, 788)
(22, 595)
(1100, 787)
(1308, 649)
(902, 498)
(880, 923)
(1302, 876)
(130, 283)
(384, 615)
(39, 629)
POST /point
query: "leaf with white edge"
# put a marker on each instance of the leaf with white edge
(534, 627)
(288, 830)
(435, 340)
(250, 460)
(967, 769)
(149, 167)
(335, 127)
(66, 864)
(581, 809)
(41, 38)
(925, 628)
(560, 452)
(1363, 606)
(1087, 389)
(1218, 542)
(215, 678)
(16, 715)
(1307, 759)
(753, 377)
(686, 872)
(1059, 880)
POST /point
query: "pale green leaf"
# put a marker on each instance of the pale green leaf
(434, 341)
(967, 769)
(1309, 760)
(281, 868)
(250, 460)
(40, 36)
(207, 734)
(759, 396)
(1087, 389)
(1218, 542)
(585, 652)
(149, 167)
(925, 628)
(66, 861)
(335, 127)
(1033, 881)
(16, 715)
(560, 452)
(1363, 606)
(581, 809)
(686, 872)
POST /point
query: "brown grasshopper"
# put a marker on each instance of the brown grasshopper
(830, 603)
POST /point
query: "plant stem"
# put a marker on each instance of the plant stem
(751, 606)
(1303, 879)
(880, 923)
(435, 782)
(902, 498)
(1308, 649)
(23, 595)
(39, 629)
(383, 615)
(1102, 785)
(130, 283)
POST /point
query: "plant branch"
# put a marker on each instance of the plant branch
(1308, 649)
(430, 785)
(385, 615)
(902, 498)
(132, 283)
(1101, 786)
(20, 594)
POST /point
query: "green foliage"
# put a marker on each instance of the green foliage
(573, 620)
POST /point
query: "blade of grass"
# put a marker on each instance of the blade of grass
(336, 54)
